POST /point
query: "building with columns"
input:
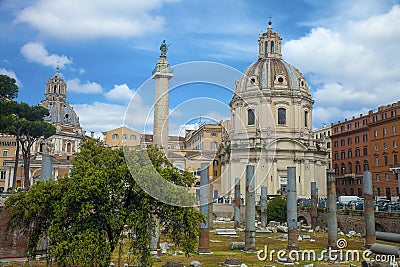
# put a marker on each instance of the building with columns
(61, 146)
(271, 126)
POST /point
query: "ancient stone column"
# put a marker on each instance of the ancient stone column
(250, 228)
(331, 204)
(263, 204)
(291, 205)
(204, 240)
(161, 74)
(369, 213)
(314, 205)
(236, 204)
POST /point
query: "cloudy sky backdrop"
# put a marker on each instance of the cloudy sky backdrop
(348, 50)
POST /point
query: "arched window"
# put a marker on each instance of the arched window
(213, 145)
(272, 47)
(359, 192)
(350, 167)
(266, 48)
(336, 169)
(344, 192)
(358, 167)
(69, 147)
(366, 165)
(306, 118)
(55, 89)
(133, 137)
(352, 191)
(215, 162)
(281, 116)
(343, 169)
(250, 117)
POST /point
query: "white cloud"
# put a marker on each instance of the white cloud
(36, 52)
(88, 19)
(121, 92)
(87, 88)
(351, 67)
(11, 73)
(100, 117)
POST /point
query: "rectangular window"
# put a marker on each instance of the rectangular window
(384, 132)
(305, 118)
(215, 173)
(335, 144)
(357, 139)
(342, 128)
(357, 124)
(365, 151)
(350, 154)
(365, 137)
(376, 161)
(124, 136)
(395, 163)
(376, 147)
(281, 116)
(348, 126)
(385, 160)
(394, 130)
(385, 145)
(383, 116)
(328, 145)
(377, 177)
(342, 142)
(336, 155)
(357, 152)
(214, 134)
(387, 176)
(378, 190)
(343, 154)
(2, 175)
(349, 141)
(394, 144)
(375, 134)
(250, 117)
(5, 153)
(393, 113)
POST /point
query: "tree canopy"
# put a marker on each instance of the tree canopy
(27, 124)
(277, 210)
(83, 217)
(8, 87)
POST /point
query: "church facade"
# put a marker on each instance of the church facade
(271, 126)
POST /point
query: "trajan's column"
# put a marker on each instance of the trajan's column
(162, 74)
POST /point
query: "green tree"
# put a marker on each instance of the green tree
(277, 210)
(8, 87)
(87, 213)
(27, 125)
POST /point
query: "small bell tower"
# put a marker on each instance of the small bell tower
(56, 88)
(269, 44)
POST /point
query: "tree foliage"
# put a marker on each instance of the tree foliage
(27, 124)
(8, 87)
(277, 210)
(84, 216)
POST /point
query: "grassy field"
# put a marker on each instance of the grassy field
(220, 249)
(219, 245)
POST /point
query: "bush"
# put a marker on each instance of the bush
(277, 210)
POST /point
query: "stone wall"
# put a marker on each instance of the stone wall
(12, 244)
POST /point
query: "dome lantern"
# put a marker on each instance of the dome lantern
(269, 44)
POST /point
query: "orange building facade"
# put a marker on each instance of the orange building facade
(368, 142)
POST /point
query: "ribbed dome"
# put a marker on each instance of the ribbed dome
(273, 74)
(60, 112)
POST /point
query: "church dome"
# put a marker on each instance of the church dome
(270, 72)
(273, 74)
(60, 112)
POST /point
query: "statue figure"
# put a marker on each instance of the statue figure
(164, 48)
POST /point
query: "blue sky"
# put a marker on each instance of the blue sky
(348, 51)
